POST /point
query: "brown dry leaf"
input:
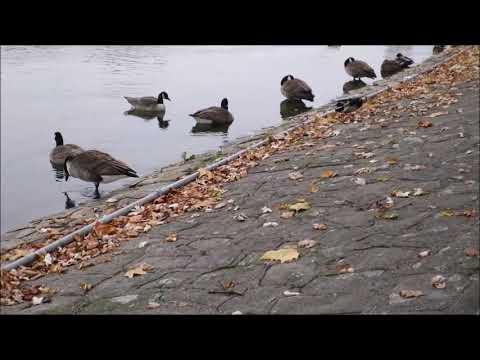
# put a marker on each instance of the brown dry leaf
(386, 216)
(438, 282)
(344, 268)
(313, 188)
(400, 194)
(297, 175)
(172, 237)
(424, 124)
(15, 254)
(467, 213)
(282, 255)
(471, 252)
(328, 174)
(91, 244)
(320, 226)
(139, 270)
(204, 172)
(229, 284)
(104, 229)
(287, 214)
(306, 243)
(153, 305)
(408, 294)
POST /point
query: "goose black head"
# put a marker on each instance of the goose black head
(58, 138)
(405, 60)
(348, 61)
(224, 104)
(285, 78)
(164, 95)
(65, 170)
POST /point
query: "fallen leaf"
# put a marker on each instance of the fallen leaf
(153, 305)
(391, 161)
(142, 244)
(104, 229)
(37, 300)
(297, 175)
(383, 178)
(344, 268)
(147, 228)
(229, 284)
(435, 114)
(267, 224)
(287, 214)
(447, 213)
(15, 254)
(438, 282)
(48, 259)
(85, 286)
(91, 244)
(240, 217)
(360, 181)
(467, 213)
(172, 237)
(204, 172)
(418, 192)
(266, 210)
(424, 253)
(139, 270)
(299, 206)
(387, 216)
(424, 124)
(328, 174)
(471, 252)
(220, 205)
(408, 294)
(307, 244)
(320, 226)
(282, 255)
(400, 194)
(111, 200)
(313, 188)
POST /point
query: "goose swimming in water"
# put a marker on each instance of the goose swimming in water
(60, 152)
(148, 103)
(97, 167)
(295, 89)
(214, 115)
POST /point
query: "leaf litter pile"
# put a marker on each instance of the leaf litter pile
(206, 193)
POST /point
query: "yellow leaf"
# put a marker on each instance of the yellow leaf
(313, 188)
(172, 237)
(447, 213)
(407, 294)
(282, 255)
(139, 270)
(320, 226)
(85, 286)
(299, 206)
(204, 172)
(328, 174)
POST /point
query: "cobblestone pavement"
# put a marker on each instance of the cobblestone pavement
(381, 241)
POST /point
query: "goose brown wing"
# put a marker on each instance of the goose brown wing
(98, 162)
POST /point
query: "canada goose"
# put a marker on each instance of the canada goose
(163, 124)
(358, 69)
(60, 151)
(214, 114)
(295, 89)
(97, 167)
(391, 67)
(290, 108)
(437, 49)
(148, 103)
(353, 85)
(349, 105)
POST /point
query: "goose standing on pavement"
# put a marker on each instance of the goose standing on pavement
(214, 115)
(149, 103)
(358, 69)
(295, 89)
(60, 152)
(97, 167)
(390, 67)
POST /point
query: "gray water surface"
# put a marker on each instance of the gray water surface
(78, 90)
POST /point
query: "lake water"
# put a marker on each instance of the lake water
(78, 90)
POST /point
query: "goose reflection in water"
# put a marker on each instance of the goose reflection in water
(289, 108)
(210, 128)
(58, 171)
(69, 203)
(353, 85)
(148, 115)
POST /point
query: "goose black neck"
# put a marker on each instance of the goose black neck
(58, 139)
(160, 98)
